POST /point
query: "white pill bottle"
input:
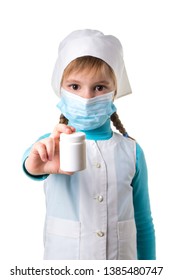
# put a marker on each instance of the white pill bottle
(72, 152)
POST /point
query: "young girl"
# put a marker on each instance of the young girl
(102, 212)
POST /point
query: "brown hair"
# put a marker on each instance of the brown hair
(96, 64)
(88, 62)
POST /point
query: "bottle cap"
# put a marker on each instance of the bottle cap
(75, 137)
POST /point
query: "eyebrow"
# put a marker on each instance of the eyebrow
(96, 83)
(72, 81)
(102, 82)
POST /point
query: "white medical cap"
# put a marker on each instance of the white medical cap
(92, 43)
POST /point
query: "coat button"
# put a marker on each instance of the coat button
(100, 198)
(100, 233)
(98, 165)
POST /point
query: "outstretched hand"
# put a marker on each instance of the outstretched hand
(44, 155)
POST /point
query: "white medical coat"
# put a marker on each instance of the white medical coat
(90, 214)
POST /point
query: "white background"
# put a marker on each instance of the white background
(29, 38)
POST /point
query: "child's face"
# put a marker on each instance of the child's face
(87, 84)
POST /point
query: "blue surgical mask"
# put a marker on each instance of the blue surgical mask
(86, 114)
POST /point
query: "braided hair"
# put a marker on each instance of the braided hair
(63, 119)
(118, 124)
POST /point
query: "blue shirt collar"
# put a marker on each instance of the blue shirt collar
(102, 133)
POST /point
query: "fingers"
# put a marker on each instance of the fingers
(62, 128)
(45, 149)
(44, 156)
(50, 148)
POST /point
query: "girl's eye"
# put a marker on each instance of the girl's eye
(74, 86)
(99, 88)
